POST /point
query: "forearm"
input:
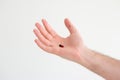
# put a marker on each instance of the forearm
(102, 65)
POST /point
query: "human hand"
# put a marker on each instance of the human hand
(69, 48)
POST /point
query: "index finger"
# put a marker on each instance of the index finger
(48, 28)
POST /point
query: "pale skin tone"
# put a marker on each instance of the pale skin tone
(73, 49)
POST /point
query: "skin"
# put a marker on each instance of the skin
(73, 49)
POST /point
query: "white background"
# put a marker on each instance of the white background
(20, 59)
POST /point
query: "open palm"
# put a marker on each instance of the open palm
(70, 47)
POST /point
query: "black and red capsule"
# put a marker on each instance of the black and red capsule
(60, 45)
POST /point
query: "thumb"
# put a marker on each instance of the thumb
(70, 26)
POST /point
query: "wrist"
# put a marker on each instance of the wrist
(81, 55)
(86, 58)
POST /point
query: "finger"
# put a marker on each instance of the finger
(70, 26)
(42, 46)
(41, 38)
(43, 31)
(48, 28)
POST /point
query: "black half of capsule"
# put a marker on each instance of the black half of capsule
(60, 45)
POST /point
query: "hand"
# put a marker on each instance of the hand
(70, 47)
